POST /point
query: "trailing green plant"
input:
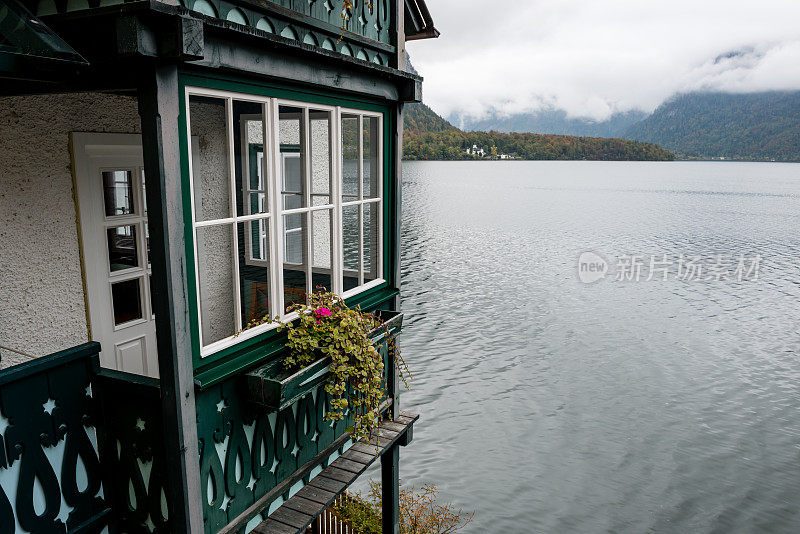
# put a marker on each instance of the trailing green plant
(420, 511)
(327, 327)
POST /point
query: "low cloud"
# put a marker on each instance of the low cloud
(593, 58)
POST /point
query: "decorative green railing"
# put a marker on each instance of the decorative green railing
(367, 33)
(50, 471)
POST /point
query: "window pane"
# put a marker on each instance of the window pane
(371, 148)
(349, 158)
(320, 138)
(371, 248)
(293, 194)
(210, 165)
(118, 193)
(122, 250)
(258, 234)
(127, 301)
(248, 128)
(295, 261)
(350, 227)
(215, 272)
(291, 136)
(322, 249)
(254, 277)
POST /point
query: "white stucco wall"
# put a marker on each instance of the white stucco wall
(41, 293)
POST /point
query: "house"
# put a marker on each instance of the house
(169, 171)
(475, 151)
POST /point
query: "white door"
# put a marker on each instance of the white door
(116, 248)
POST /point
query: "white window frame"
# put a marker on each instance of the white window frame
(272, 174)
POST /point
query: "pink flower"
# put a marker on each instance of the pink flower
(322, 312)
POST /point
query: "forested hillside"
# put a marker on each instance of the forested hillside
(429, 137)
(753, 126)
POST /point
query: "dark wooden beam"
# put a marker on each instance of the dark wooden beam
(397, 207)
(390, 490)
(159, 108)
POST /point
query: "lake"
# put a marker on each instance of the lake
(663, 397)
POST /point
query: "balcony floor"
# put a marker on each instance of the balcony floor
(300, 510)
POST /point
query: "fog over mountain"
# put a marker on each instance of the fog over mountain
(550, 121)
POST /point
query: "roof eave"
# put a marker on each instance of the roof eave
(418, 14)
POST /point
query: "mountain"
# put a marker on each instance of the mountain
(420, 118)
(427, 136)
(550, 121)
(752, 126)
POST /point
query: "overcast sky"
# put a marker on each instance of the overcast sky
(594, 57)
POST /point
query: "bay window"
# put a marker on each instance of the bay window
(286, 200)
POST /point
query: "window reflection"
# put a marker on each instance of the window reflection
(291, 139)
(370, 258)
(295, 286)
(370, 163)
(254, 282)
(215, 269)
(350, 158)
(320, 150)
(126, 301)
(322, 249)
(210, 165)
(122, 249)
(118, 193)
(350, 249)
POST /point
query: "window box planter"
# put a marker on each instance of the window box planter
(274, 388)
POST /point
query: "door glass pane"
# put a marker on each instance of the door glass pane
(371, 148)
(144, 195)
(322, 249)
(210, 165)
(320, 150)
(295, 261)
(350, 246)
(150, 291)
(371, 249)
(248, 127)
(126, 300)
(122, 250)
(254, 277)
(147, 241)
(118, 193)
(291, 134)
(215, 273)
(349, 158)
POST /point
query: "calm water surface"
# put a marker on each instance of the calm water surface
(549, 405)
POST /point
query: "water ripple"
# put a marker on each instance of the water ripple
(551, 406)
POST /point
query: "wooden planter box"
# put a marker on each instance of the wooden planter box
(274, 388)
